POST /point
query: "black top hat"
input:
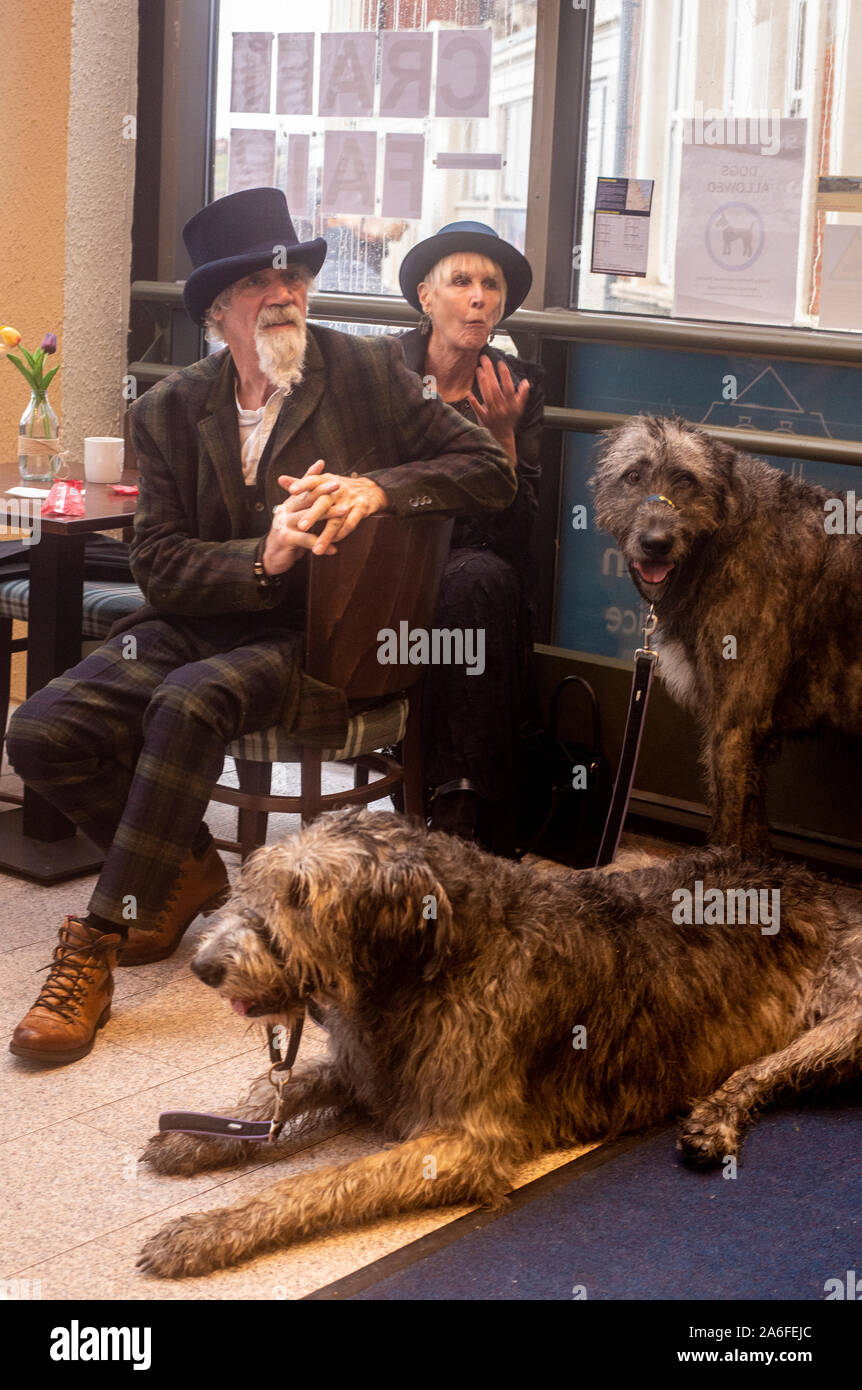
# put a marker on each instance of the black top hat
(467, 236)
(239, 234)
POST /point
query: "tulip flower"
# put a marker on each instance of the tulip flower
(9, 338)
(30, 364)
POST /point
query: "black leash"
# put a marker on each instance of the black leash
(282, 1056)
(645, 664)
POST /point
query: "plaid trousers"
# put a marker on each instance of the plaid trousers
(129, 747)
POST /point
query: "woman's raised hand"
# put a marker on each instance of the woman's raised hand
(502, 404)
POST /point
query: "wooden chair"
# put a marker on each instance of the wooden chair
(386, 573)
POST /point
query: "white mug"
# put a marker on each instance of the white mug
(103, 459)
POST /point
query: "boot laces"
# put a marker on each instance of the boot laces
(65, 989)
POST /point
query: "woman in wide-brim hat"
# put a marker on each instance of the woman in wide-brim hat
(465, 280)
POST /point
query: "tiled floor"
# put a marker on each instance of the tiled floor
(78, 1206)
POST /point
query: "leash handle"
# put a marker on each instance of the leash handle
(645, 662)
(214, 1126)
(225, 1126)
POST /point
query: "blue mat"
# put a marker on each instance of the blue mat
(639, 1225)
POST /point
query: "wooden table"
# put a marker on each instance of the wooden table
(37, 841)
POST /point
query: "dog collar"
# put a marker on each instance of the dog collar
(659, 497)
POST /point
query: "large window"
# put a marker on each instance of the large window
(676, 89)
(381, 119)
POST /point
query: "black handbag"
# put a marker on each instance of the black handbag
(566, 788)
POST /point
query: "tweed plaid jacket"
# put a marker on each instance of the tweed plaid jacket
(357, 407)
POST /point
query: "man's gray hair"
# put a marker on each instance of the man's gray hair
(212, 329)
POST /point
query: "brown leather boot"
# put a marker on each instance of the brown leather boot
(75, 1000)
(200, 886)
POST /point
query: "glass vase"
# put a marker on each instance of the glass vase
(39, 422)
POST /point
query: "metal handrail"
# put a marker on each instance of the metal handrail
(807, 446)
(576, 326)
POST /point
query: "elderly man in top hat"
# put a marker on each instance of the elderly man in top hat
(239, 455)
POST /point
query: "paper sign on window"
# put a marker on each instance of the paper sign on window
(251, 72)
(464, 159)
(295, 79)
(405, 81)
(463, 72)
(621, 226)
(252, 159)
(403, 170)
(740, 208)
(349, 167)
(841, 285)
(347, 74)
(296, 190)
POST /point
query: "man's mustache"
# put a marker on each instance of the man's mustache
(267, 317)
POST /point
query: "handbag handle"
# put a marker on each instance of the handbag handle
(594, 707)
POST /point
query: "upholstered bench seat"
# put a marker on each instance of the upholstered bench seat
(103, 604)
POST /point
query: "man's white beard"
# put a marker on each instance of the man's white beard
(281, 355)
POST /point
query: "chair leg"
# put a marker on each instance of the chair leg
(310, 792)
(256, 779)
(411, 760)
(360, 776)
(5, 676)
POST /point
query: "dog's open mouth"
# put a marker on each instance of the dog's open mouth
(257, 1008)
(652, 573)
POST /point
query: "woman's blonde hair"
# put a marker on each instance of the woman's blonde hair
(474, 264)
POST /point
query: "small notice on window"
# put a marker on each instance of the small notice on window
(621, 226)
(839, 193)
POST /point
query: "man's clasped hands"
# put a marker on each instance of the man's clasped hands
(342, 502)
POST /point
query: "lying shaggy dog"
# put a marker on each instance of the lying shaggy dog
(728, 548)
(481, 1011)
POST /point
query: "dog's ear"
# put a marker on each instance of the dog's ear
(294, 889)
(725, 461)
(413, 909)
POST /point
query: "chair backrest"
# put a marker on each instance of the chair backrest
(385, 574)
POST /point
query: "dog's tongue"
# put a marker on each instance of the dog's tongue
(239, 1006)
(654, 574)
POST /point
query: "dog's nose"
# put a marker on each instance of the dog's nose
(210, 971)
(655, 542)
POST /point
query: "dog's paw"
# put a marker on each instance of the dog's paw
(182, 1248)
(181, 1155)
(708, 1137)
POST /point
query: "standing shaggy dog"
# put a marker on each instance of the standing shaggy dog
(481, 1011)
(727, 547)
